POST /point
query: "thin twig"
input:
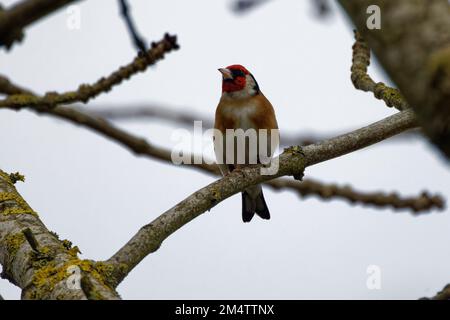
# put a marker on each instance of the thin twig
(86, 92)
(245, 6)
(322, 7)
(309, 187)
(362, 81)
(9, 88)
(138, 41)
(135, 144)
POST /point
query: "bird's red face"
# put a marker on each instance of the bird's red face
(234, 78)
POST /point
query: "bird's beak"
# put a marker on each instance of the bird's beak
(226, 74)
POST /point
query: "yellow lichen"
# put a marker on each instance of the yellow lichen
(216, 195)
(20, 205)
(294, 150)
(14, 177)
(67, 244)
(74, 251)
(14, 242)
(46, 278)
(6, 177)
(48, 274)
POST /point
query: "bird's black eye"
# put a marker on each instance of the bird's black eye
(237, 73)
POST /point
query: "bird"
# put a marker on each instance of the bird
(243, 106)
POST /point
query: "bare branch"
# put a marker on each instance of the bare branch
(180, 116)
(362, 81)
(14, 19)
(137, 145)
(86, 92)
(9, 88)
(186, 117)
(308, 187)
(322, 7)
(291, 162)
(360, 138)
(138, 41)
(245, 6)
(34, 259)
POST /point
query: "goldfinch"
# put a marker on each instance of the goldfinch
(243, 106)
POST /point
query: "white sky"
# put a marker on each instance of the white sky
(97, 194)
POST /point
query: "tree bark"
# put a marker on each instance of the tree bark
(37, 261)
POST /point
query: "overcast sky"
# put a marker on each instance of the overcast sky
(97, 194)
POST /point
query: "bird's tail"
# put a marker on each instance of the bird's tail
(253, 202)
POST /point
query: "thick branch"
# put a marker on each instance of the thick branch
(86, 92)
(413, 46)
(291, 162)
(14, 19)
(34, 259)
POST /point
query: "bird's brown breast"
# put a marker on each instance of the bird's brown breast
(254, 112)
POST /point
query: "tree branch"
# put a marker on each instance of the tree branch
(22, 14)
(138, 41)
(34, 259)
(291, 162)
(244, 6)
(362, 81)
(321, 7)
(309, 187)
(86, 92)
(413, 46)
(9, 88)
(186, 117)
